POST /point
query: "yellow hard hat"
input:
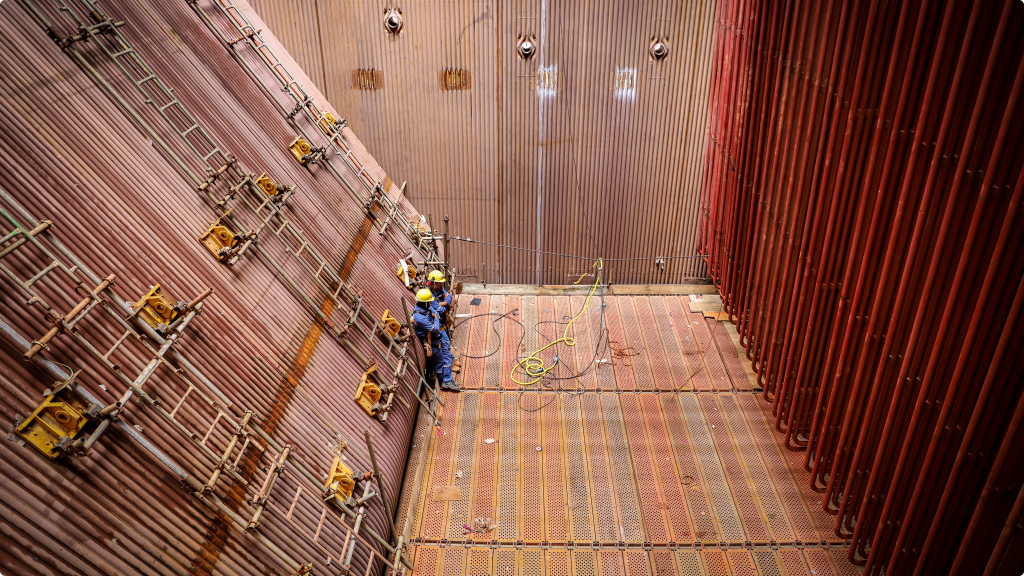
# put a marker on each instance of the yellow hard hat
(425, 295)
(435, 276)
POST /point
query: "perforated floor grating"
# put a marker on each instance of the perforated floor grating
(661, 459)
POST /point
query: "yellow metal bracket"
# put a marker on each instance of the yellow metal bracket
(301, 149)
(157, 310)
(390, 325)
(219, 239)
(341, 480)
(58, 421)
(267, 185)
(368, 393)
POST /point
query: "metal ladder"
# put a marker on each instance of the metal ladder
(152, 87)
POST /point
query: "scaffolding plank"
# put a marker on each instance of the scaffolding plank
(751, 450)
(531, 495)
(673, 503)
(433, 525)
(730, 356)
(461, 337)
(493, 371)
(652, 503)
(556, 518)
(583, 563)
(508, 470)
(453, 562)
(768, 563)
(635, 333)
(464, 464)
(741, 563)
(412, 503)
(742, 492)
(650, 326)
(426, 561)
(819, 562)
(676, 364)
(567, 365)
(473, 350)
(715, 563)
(606, 521)
(597, 315)
(610, 562)
(557, 563)
(693, 355)
(506, 562)
(663, 563)
(583, 352)
(485, 473)
(793, 498)
(730, 527)
(841, 562)
(631, 526)
(689, 563)
(511, 342)
(579, 487)
(548, 330)
(793, 562)
(637, 563)
(624, 378)
(694, 485)
(531, 339)
(532, 563)
(480, 562)
(712, 360)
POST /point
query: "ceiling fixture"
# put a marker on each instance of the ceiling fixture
(659, 48)
(393, 20)
(526, 47)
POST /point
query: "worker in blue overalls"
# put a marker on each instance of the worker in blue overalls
(442, 300)
(428, 328)
(443, 303)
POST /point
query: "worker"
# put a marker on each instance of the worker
(443, 300)
(427, 326)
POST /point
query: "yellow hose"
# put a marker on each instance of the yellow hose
(533, 365)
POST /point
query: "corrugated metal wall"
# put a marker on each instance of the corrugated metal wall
(265, 341)
(516, 158)
(865, 193)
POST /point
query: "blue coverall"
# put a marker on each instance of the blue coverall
(426, 323)
(442, 305)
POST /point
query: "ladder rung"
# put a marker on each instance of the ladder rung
(123, 52)
(189, 129)
(212, 152)
(212, 427)
(172, 103)
(11, 235)
(42, 273)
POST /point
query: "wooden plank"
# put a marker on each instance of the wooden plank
(575, 289)
(446, 493)
(662, 289)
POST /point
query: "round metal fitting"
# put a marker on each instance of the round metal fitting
(658, 48)
(526, 47)
(393, 20)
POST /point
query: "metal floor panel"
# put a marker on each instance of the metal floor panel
(637, 483)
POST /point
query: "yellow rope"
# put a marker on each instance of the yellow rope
(533, 365)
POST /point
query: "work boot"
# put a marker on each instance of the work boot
(450, 386)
